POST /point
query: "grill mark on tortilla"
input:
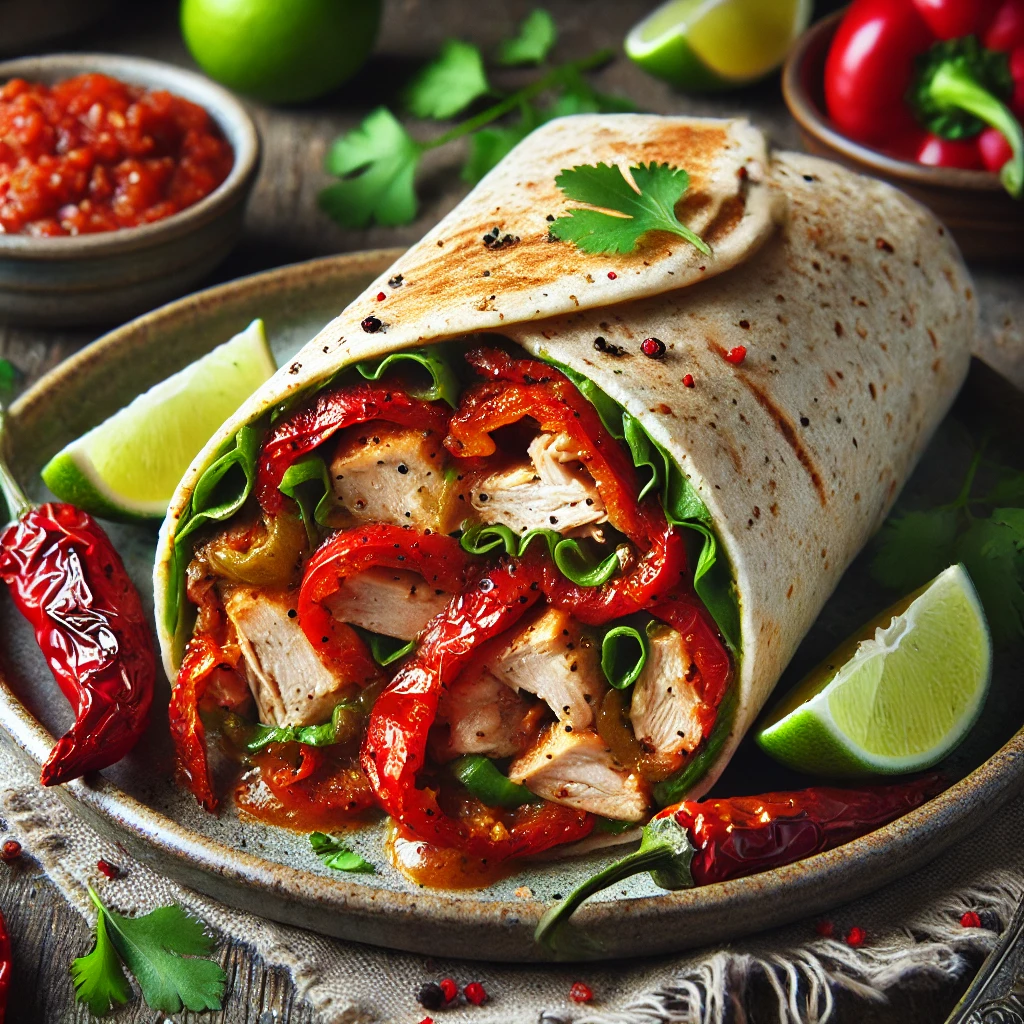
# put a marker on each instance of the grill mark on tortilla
(729, 215)
(785, 427)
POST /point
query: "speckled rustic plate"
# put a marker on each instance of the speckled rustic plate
(273, 873)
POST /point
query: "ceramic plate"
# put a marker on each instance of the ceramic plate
(274, 873)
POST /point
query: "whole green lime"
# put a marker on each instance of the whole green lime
(280, 51)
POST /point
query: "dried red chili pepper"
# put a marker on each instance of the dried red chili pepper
(66, 578)
(301, 432)
(6, 967)
(394, 750)
(701, 842)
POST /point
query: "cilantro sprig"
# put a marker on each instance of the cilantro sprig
(629, 209)
(165, 950)
(337, 856)
(980, 528)
(377, 162)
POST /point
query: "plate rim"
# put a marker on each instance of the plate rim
(306, 899)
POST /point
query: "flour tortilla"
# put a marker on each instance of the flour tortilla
(853, 304)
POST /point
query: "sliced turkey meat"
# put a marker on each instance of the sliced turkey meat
(389, 601)
(551, 491)
(484, 717)
(575, 768)
(665, 708)
(557, 660)
(289, 682)
(382, 473)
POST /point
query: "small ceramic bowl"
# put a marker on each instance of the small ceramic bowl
(113, 275)
(987, 223)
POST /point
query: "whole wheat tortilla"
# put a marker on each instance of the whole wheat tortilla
(854, 307)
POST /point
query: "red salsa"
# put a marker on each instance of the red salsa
(95, 154)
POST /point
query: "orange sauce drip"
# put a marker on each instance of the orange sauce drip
(438, 867)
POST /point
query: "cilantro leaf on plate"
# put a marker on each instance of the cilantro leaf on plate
(914, 548)
(377, 164)
(99, 979)
(537, 34)
(991, 549)
(336, 855)
(448, 84)
(648, 207)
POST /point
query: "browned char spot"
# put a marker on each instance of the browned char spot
(788, 431)
(726, 220)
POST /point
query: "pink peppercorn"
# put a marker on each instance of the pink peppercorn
(612, 275)
(381, 296)
(104, 867)
(11, 850)
(688, 380)
(856, 937)
(654, 348)
(580, 992)
(736, 355)
(475, 993)
(970, 920)
(449, 989)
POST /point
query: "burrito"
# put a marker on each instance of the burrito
(518, 546)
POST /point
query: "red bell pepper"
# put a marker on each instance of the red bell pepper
(923, 79)
(518, 388)
(395, 748)
(301, 432)
(439, 559)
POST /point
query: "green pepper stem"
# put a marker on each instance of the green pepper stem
(954, 86)
(17, 500)
(510, 102)
(650, 859)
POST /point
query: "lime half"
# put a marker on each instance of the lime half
(896, 698)
(128, 466)
(716, 44)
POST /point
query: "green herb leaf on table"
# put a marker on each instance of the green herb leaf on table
(489, 146)
(377, 163)
(991, 549)
(533, 42)
(914, 548)
(648, 207)
(449, 84)
(166, 950)
(9, 377)
(99, 979)
(337, 856)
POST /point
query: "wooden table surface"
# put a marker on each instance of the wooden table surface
(283, 225)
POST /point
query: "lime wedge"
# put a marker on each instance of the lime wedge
(898, 696)
(127, 467)
(716, 44)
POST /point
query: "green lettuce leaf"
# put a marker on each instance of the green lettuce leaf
(566, 552)
(712, 577)
(624, 650)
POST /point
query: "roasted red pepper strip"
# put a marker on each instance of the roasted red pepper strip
(656, 575)
(923, 78)
(519, 388)
(394, 750)
(700, 842)
(71, 585)
(439, 559)
(203, 657)
(300, 433)
(6, 967)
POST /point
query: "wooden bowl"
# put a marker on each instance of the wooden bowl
(986, 221)
(110, 276)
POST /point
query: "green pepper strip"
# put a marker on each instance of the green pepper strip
(479, 775)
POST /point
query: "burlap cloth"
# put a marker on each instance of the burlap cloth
(913, 929)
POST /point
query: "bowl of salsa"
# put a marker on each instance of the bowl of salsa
(123, 183)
